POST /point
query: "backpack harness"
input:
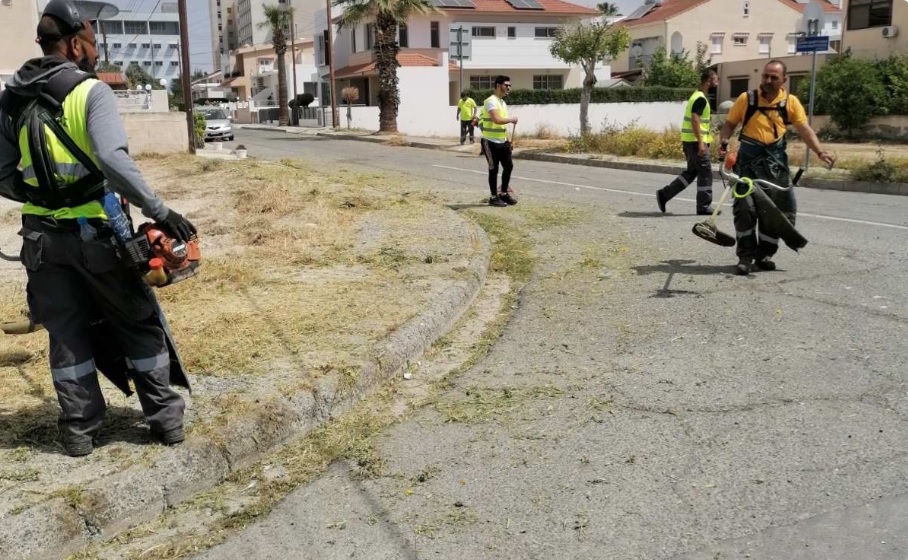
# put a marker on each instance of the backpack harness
(47, 109)
(753, 107)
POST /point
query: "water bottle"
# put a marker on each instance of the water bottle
(156, 276)
(86, 231)
(119, 223)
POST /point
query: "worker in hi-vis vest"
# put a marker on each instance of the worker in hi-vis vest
(496, 146)
(695, 141)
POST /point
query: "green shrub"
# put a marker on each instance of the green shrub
(600, 95)
(882, 170)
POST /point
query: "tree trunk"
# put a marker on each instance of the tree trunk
(283, 118)
(386, 62)
(586, 93)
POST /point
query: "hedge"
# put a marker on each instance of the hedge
(630, 94)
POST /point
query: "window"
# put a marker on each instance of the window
(869, 13)
(546, 32)
(369, 30)
(353, 39)
(137, 27)
(118, 63)
(482, 82)
(795, 82)
(717, 40)
(792, 43)
(174, 63)
(403, 36)
(146, 63)
(548, 82)
(739, 40)
(738, 86)
(483, 31)
(434, 37)
(765, 43)
(164, 27)
(512, 32)
(159, 63)
(131, 46)
(146, 45)
(157, 45)
(746, 8)
(117, 45)
(311, 88)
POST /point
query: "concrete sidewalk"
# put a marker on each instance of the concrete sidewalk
(52, 505)
(591, 160)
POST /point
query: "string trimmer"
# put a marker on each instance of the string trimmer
(707, 229)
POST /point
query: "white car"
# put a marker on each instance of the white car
(218, 126)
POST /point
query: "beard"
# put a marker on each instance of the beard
(85, 64)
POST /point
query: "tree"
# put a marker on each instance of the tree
(587, 44)
(387, 14)
(676, 70)
(107, 67)
(176, 93)
(279, 20)
(136, 78)
(608, 10)
(851, 91)
(198, 74)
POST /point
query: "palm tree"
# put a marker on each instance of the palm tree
(279, 19)
(608, 9)
(387, 14)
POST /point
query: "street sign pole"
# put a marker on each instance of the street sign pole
(460, 55)
(813, 89)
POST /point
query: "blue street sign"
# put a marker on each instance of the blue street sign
(812, 44)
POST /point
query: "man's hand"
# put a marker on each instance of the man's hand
(828, 159)
(723, 149)
(703, 151)
(178, 226)
(514, 120)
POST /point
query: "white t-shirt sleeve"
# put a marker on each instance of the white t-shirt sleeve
(490, 105)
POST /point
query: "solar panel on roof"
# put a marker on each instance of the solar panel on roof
(525, 4)
(454, 3)
(641, 11)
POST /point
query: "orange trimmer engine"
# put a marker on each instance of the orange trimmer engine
(170, 260)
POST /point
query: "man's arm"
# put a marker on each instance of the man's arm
(810, 138)
(695, 116)
(12, 186)
(109, 142)
(496, 118)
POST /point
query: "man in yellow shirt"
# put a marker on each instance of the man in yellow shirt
(466, 112)
(765, 114)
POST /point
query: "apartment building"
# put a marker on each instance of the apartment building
(149, 39)
(732, 30)
(875, 28)
(498, 37)
(19, 20)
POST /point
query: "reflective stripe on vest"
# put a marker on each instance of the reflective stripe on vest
(490, 130)
(67, 167)
(687, 128)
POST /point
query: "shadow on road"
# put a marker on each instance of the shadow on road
(466, 206)
(678, 266)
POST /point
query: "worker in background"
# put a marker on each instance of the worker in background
(466, 113)
(496, 146)
(695, 141)
(75, 275)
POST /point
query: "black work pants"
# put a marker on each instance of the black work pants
(466, 126)
(757, 240)
(73, 283)
(698, 168)
(498, 153)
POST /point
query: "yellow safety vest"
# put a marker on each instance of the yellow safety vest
(466, 108)
(687, 128)
(490, 130)
(67, 167)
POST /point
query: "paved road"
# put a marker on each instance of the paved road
(643, 401)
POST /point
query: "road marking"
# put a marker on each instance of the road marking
(652, 195)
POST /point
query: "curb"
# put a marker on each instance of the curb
(900, 189)
(114, 503)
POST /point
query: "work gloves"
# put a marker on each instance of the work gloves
(178, 226)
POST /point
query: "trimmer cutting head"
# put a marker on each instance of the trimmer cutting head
(709, 232)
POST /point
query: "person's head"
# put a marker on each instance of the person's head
(63, 32)
(709, 78)
(463, 95)
(502, 86)
(774, 75)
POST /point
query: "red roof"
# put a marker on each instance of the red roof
(671, 8)
(403, 58)
(502, 6)
(112, 78)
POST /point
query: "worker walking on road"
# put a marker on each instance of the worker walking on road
(764, 115)
(695, 141)
(466, 113)
(496, 146)
(61, 142)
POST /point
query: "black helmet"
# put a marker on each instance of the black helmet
(67, 14)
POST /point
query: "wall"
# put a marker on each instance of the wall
(22, 19)
(157, 133)
(423, 99)
(869, 43)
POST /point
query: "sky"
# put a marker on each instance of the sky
(624, 6)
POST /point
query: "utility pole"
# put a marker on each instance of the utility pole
(331, 65)
(295, 106)
(151, 47)
(106, 46)
(184, 73)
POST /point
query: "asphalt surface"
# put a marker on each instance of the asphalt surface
(643, 402)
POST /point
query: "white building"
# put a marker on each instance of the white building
(18, 22)
(152, 40)
(509, 37)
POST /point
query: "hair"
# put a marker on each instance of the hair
(50, 32)
(780, 63)
(502, 79)
(463, 94)
(707, 75)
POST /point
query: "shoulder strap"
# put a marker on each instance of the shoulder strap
(751, 107)
(783, 111)
(62, 83)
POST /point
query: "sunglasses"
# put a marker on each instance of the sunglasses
(506, 85)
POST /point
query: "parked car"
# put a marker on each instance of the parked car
(218, 126)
